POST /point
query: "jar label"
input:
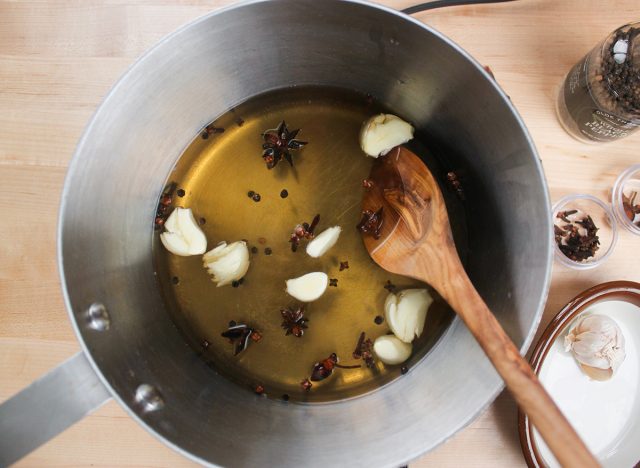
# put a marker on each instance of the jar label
(591, 120)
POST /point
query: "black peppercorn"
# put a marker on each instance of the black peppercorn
(284, 193)
(268, 251)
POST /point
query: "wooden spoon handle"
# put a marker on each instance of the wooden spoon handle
(518, 376)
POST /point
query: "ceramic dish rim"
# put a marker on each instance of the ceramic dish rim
(627, 291)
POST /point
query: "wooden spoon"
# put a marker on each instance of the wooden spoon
(415, 240)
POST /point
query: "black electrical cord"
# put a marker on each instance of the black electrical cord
(444, 3)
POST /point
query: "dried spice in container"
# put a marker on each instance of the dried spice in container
(631, 206)
(576, 235)
(600, 98)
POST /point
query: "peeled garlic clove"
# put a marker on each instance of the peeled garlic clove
(391, 350)
(323, 241)
(383, 132)
(227, 262)
(309, 287)
(406, 313)
(183, 236)
(596, 342)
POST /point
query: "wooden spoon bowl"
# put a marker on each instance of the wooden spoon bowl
(412, 237)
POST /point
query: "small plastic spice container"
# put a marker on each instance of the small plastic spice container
(602, 217)
(599, 100)
(625, 199)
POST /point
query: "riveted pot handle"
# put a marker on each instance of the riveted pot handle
(48, 406)
(444, 3)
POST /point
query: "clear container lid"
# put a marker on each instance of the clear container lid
(625, 199)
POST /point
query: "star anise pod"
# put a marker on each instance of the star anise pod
(278, 143)
(293, 321)
(303, 231)
(371, 223)
(239, 335)
(364, 350)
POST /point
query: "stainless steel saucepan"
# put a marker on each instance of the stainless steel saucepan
(131, 349)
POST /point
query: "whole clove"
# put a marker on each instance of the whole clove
(577, 236)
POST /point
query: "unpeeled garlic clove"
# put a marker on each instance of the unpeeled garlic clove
(406, 312)
(391, 350)
(183, 236)
(597, 343)
(323, 241)
(383, 132)
(227, 262)
(309, 287)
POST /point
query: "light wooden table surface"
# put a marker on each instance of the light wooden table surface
(59, 58)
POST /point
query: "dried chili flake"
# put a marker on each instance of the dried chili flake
(323, 369)
(256, 336)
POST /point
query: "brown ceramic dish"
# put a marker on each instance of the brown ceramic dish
(625, 291)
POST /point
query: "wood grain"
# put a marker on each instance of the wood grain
(59, 59)
(416, 241)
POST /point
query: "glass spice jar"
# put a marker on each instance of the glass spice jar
(599, 100)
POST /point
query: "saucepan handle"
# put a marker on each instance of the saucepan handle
(444, 3)
(48, 406)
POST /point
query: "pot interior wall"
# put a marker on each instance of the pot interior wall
(198, 73)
